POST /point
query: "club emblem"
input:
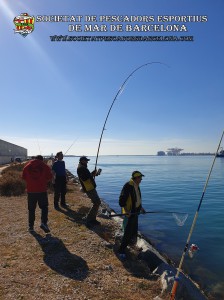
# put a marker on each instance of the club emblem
(24, 24)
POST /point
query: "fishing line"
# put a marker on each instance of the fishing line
(71, 146)
(38, 146)
(115, 98)
(176, 279)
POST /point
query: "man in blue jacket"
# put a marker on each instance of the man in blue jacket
(60, 181)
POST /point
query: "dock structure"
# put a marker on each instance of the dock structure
(10, 152)
(174, 151)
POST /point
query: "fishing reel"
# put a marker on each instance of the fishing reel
(98, 172)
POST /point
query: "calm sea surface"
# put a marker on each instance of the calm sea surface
(174, 184)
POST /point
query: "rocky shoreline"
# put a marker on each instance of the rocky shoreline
(160, 266)
(75, 262)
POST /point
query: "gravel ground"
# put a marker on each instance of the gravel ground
(72, 262)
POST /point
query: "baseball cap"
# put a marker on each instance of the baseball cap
(136, 174)
(84, 158)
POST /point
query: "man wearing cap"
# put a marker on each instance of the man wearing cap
(89, 187)
(131, 203)
(60, 180)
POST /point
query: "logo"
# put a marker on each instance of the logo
(24, 24)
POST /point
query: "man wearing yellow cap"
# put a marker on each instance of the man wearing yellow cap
(131, 202)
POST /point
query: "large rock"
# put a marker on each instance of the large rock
(187, 289)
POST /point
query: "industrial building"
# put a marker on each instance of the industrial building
(10, 152)
(174, 151)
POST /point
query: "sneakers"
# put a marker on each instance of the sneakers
(64, 205)
(92, 223)
(44, 227)
(95, 222)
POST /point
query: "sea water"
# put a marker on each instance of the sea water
(174, 184)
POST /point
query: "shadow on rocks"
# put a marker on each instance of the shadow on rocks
(136, 261)
(105, 232)
(58, 258)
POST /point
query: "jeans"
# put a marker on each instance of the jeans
(42, 200)
(59, 190)
(96, 203)
(130, 232)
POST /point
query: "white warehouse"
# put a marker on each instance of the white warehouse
(9, 152)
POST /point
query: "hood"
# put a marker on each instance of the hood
(36, 169)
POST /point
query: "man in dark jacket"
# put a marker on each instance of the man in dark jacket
(89, 187)
(131, 202)
(37, 174)
(60, 181)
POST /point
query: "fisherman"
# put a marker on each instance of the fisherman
(131, 203)
(89, 187)
(59, 180)
(37, 174)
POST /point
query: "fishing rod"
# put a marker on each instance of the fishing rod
(115, 98)
(38, 146)
(71, 146)
(176, 279)
(147, 212)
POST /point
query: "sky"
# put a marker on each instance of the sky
(55, 95)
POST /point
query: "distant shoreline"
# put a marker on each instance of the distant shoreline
(182, 154)
(128, 155)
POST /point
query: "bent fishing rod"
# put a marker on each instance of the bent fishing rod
(115, 98)
(176, 279)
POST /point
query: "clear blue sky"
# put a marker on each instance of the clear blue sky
(55, 93)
